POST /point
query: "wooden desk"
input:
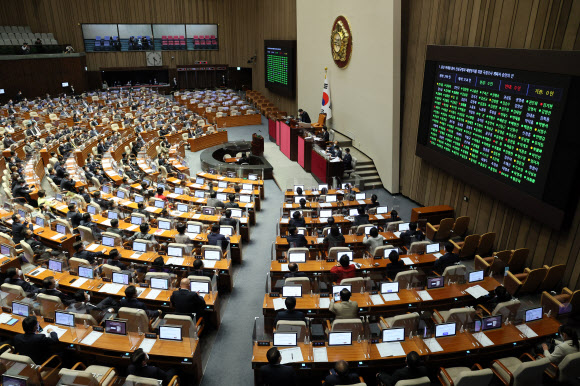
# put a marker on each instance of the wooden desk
(432, 214)
(207, 140)
(239, 120)
(341, 221)
(323, 169)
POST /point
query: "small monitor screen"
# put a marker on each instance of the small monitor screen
(286, 339)
(199, 181)
(390, 287)
(182, 207)
(292, 290)
(193, 228)
(179, 191)
(491, 322)
(112, 215)
(159, 204)
(326, 213)
(394, 334)
(208, 211)
(6, 250)
(360, 196)
(174, 252)
(294, 211)
(252, 177)
(139, 246)
(443, 330)
(301, 231)
(533, 314)
(86, 272)
(368, 230)
(163, 224)
(475, 276)
(199, 194)
(162, 186)
(222, 184)
(13, 380)
(55, 265)
(298, 186)
(247, 187)
(120, 194)
(237, 213)
(199, 286)
(120, 278)
(337, 288)
(350, 254)
(106, 189)
(353, 212)
(159, 283)
(58, 197)
(297, 257)
(118, 327)
(382, 210)
(322, 186)
(92, 209)
(298, 198)
(39, 221)
(226, 230)
(222, 196)
(340, 338)
(170, 332)
(245, 198)
(22, 213)
(211, 255)
(64, 318)
(20, 309)
(138, 198)
(64, 84)
(404, 227)
(136, 220)
(61, 229)
(435, 282)
(108, 241)
(432, 248)
(331, 198)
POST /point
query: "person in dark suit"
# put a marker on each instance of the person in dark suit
(22, 190)
(304, 117)
(412, 370)
(8, 141)
(18, 227)
(362, 218)
(374, 203)
(228, 220)
(325, 134)
(114, 228)
(140, 368)
(115, 260)
(347, 159)
(290, 313)
(130, 300)
(82, 253)
(448, 259)
(297, 220)
(32, 344)
(13, 277)
(395, 266)
(412, 234)
(187, 302)
(334, 238)
(394, 217)
(294, 239)
(73, 216)
(49, 287)
(67, 183)
(232, 201)
(341, 375)
(293, 268)
(275, 374)
(87, 222)
(215, 238)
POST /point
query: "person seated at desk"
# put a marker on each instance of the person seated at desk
(334, 150)
(216, 238)
(343, 269)
(232, 201)
(297, 220)
(104, 204)
(346, 309)
(33, 343)
(42, 199)
(67, 184)
(88, 222)
(304, 117)
(412, 370)
(141, 208)
(275, 374)
(448, 259)
(181, 237)
(325, 136)
(568, 344)
(361, 218)
(82, 253)
(84, 194)
(19, 225)
(37, 247)
(299, 191)
(293, 268)
(296, 240)
(130, 300)
(395, 265)
(49, 287)
(213, 201)
(373, 240)
(81, 305)
(302, 204)
(185, 301)
(114, 228)
(413, 234)
(140, 368)
(13, 276)
(143, 234)
(290, 312)
(394, 217)
(228, 220)
(115, 260)
(374, 203)
(22, 190)
(159, 195)
(341, 375)
(334, 238)
(73, 216)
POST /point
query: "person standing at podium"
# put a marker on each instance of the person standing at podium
(304, 117)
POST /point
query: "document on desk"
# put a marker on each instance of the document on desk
(192, 236)
(57, 236)
(175, 261)
(433, 345)
(390, 349)
(476, 291)
(79, 282)
(319, 240)
(379, 216)
(361, 202)
(151, 209)
(424, 295)
(324, 303)
(219, 190)
(527, 331)
(437, 255)
(92, 247)
(320, 354)
(284, 220)
(288, 206)
(91, 338)
(291, 355)
(5, 318)
(407, 261)
(37, 271)
(196, 216)
(325, 205)
(153, 294)
(209, 263)
(391, 297)
(111, 288)
(106, 223)
(172, 195)
(159, 232)
(246, 191)
(483, 339)
(398, 234)
(132, 227)
(284, 268)
(323, 219)
(147, 344)
(61, 207)
(279, 304)
(59, 331)
(377, 300)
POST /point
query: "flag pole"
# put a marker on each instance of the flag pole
(325, 71)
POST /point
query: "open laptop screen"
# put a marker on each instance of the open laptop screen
(64, 318)
(475, 276)
(443, 330)
(389, 287)
(287, 339)
(199, 286)
(432, 248)
(118, 327)
(435, 282)
(491, 322)
(394, 334)
(340, 338)
(170, 333)
(533, 314)
(297, 257)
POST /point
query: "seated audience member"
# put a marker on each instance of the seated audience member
(413, 234)
(394, 216)
(568, 344)
(33, 343)
(361, 218)
(290, 313)
(395, 265)
(38, 247)
(130, 300)
(82, 253)
(81, 303)
(199, 271)
(346, 308)
(87, 222)
(49, 287)
(216, 238)
(159, 195)
(275, 374)
(341, 375)
(412, 370)
(114, 228)
(186, 301)
(213, 201)
(139, 367)
(182, 238)
(19, 225)
(299, 191)
(293, 268)
(448, 259)
(73, 216)
(498, 295)
(232, 201)
(373, 240)
(42, 199)
(343, 269)
(294, 239)
(228, 220)
(297, 220)
(13, 276)
(115, 260)
(143, 234)
(374, 203)
(158, 265)
(334, 238)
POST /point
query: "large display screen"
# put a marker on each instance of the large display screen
(490, 118)
(280, 66)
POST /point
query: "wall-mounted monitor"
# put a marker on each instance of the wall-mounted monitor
(280, 66)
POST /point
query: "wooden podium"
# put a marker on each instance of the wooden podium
(257, 145)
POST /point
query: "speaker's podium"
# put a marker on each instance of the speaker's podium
(257, 145)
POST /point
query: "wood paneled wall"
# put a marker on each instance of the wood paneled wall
(533, 24)
(243, 27)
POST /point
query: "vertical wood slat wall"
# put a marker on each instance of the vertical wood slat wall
(533, 24)
(243, 26)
